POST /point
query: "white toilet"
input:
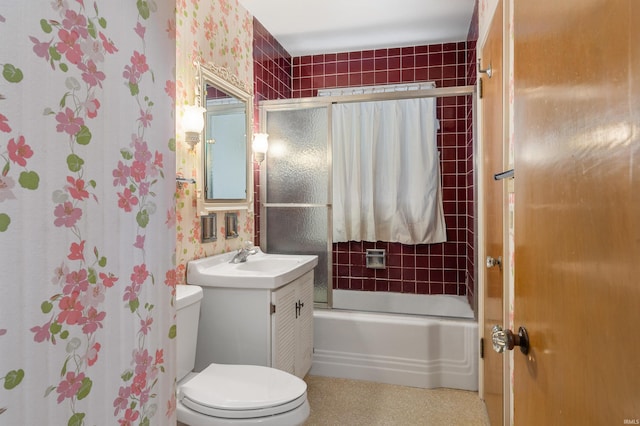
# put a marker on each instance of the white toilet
(224, 394)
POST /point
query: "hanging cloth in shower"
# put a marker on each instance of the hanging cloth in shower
(386, 172)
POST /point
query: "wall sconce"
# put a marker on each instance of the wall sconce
(259, 146)
(192, 124)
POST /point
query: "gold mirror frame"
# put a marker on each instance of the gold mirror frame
(226, 81)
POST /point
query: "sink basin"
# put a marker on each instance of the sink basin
(261, 270)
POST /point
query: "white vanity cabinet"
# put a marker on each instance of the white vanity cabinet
(258, 326)
(292, 326)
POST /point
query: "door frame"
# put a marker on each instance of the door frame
(507, 245)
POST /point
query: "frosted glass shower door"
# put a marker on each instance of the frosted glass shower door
(296, 211)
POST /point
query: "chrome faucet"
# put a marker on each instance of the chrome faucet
(243, 253)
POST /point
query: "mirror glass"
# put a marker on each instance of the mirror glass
(226, 151)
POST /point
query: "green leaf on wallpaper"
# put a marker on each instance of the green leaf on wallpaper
(74, 163)
(173, 332)
(49, 390)
(44, 24)
(172, 144)
(133, 304)
(29, 180)
(55, 328)
(64, 334)
(102, 262)
(134, 89)
(53, 52)
(63, 101)
(64, 367)
(142, 218)
(85, 388)
(6, 168)
(126, 154)
(91, 29)
(13, 378)
(76, 420)
(93, 276)
(143, 9)
(127, 375)
(83, 137)
(12, 74)
(102, 22)
(5, 220)
(92, 183)
(63, 67)
(46, 307)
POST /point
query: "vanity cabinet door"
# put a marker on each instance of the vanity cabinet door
(292, 326)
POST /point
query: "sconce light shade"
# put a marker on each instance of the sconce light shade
(193, 123)
(260, 145)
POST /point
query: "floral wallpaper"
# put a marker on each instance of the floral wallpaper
(87, 214)
(218, 32)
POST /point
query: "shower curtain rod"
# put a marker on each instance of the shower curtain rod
(438, 92)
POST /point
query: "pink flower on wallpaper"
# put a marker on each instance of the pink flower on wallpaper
(145, 325)
(171, 218)
(142, 152)
(139, 383)
(108, 45)
(139, 242)
(121, 174)
(69, 386)
(94, 296)
(75, 22)
(122, 400)
(76, 282)
(171, 29)
(169, 89)
(130, 416)
(66, 214)
(143, 361)
(225, 6)
(107, 280)
(171, 406)
(139, 62)
(144, 189)
(19, 152)
(77, 189)
(4, 126)
(138, 171)
(92, 50)
(131, 293)
(140, 30)
(70, 309)
(68, 122)
(41, 49)
(131, 74)
(126, 200)
(90, 74)
(92, 321)
(68, 45)
(139, 274)
(145, 118)
(92, 354)
(76, 251)
(91, 106)
(41, 333)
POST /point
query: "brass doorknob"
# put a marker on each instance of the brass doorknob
(505, 339)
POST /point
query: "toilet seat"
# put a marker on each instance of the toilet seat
(242, 391)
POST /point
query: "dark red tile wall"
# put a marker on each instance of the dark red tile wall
(445, 268)
(272, 80)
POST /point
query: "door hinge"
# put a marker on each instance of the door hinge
(273, 309)
(480, 88)
(482, 347)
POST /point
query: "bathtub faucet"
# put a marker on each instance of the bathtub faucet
(243, 253)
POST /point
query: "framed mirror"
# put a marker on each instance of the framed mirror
(226, 174)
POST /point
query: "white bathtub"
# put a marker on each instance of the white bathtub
(410, 350)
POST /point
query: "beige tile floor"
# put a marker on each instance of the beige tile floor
(340, 402)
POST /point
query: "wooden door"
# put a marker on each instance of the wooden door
(491, 104)
(577, 211)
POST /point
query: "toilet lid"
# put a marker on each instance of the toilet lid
(242, 391)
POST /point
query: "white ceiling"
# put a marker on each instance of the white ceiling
(307, 27)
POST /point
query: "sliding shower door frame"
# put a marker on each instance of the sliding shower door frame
(326, 102)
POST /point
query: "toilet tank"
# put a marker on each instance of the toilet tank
(188, 299)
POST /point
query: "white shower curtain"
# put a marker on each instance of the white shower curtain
(386, 174)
